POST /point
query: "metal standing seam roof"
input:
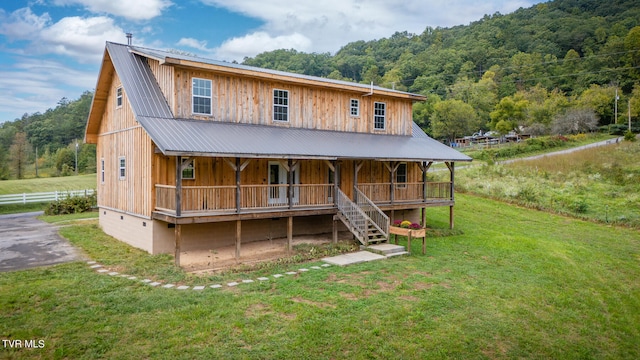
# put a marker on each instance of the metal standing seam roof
(188, 137)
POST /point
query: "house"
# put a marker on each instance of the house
(201, 154)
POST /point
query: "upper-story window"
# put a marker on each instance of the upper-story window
(354, 108)
(102, 170)
(280, 105)
(201, 96)
(122, 168)
(379, 115)
(119, 97)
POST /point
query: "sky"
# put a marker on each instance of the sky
(52, 49)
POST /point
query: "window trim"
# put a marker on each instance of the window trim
(122, 168)
(192, 165)
(273, 115)
(101, 170)
(119, 97)
(356, 107)
(210, 97)
(377, 116)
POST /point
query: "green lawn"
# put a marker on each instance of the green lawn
(517, 283)
(47, 184)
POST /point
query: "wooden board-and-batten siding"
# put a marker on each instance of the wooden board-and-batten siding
(249, 100)
(120, 135)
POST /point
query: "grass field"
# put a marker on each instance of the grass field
(47, 184)
(517, 283)
(601, 184)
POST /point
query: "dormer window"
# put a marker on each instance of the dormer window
(280, 105)
(119, 97)
(379, 115)
(201, 96)
(354, 109)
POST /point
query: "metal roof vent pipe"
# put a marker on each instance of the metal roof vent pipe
(129, 37)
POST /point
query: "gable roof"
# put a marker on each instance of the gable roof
(187, 137)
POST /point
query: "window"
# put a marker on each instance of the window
(119, 97)
(401, 175)
(355, 107)
(379, 112)
(102, 170)
(122, 168)
(280, 105)
(188, 169)
(201, 91)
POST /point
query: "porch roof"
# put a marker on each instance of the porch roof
(209, 138)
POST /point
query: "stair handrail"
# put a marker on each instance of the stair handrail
(353, 214)
(378, 218)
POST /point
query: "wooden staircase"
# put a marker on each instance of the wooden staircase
(363, 218)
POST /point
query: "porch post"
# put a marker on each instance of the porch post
(392, 179)
(452, 170)
(336, 182)
(238, 193)
(178, 186)
(178, 239)
(238, 238)
(290, 233)
(290, 183)
(355, 181)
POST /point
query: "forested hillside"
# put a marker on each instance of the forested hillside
(53, 136)
(502, 72)
(553, 68)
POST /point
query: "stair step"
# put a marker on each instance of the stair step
(387, 249)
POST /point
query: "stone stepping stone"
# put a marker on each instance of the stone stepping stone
(199, 287)
(103, 270)
(183, 287)
(263, 278)
(303, 270)
(291, 273)
(96, 266)
(326, 265)
(113, 273)
(91, 262)
(248, 281)
(216, 286)
(168, 286)
(278, 276)
(316, 267)
(132, 278)
(146, 281)
(155, 283)
(232, 283)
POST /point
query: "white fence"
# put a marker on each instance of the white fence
(42, 196)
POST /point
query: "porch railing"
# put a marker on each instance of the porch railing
(252, 197)
(380, 193)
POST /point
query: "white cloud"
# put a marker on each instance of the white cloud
(193, 43)
(321, 26)
(22, 24)
(255, 43)
(130, 9)
(37, 85)
(81, 38)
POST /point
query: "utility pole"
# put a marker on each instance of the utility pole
(37, 158)
(76, 157)
(629, 108)
(615, 117)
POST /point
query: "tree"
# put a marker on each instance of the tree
(601, 100)
(452, 119)
(19, 152)
(575, 121)
(509, 114)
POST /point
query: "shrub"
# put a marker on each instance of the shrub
(71, 205)
(629, 136)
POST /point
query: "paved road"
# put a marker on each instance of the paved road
(27, 242)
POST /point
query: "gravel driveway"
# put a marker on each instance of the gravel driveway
(26, 242)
